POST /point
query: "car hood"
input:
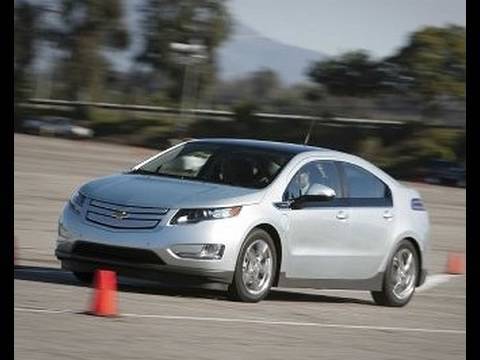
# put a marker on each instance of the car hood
(157, 191)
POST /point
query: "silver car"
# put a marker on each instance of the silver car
(56, 126)
(248, 215)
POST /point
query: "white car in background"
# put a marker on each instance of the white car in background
(56, 126)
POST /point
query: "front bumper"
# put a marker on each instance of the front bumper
(147, 253)
(157, 272)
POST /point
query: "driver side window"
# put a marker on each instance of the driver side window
(322, 172)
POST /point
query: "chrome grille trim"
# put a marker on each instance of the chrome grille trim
(119, 216)
(128, 208)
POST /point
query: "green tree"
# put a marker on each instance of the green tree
(353, 73)
(264, 84)
(195, 22)
(434, 58)
(86, 28)
(26, 23)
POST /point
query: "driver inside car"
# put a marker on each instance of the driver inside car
(304, 182)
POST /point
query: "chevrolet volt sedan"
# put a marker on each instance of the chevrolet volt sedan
(249, 215)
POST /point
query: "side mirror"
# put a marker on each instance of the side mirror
(317, 192)
(321, 192)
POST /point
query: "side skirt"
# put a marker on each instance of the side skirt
(374, 283)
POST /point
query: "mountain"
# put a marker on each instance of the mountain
(247, 51)
(243, 52)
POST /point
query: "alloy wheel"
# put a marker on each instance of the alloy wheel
(403, 273)
(257, 267)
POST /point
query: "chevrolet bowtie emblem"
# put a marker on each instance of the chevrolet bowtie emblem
(120, 215)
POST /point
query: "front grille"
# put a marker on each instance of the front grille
(118, 216)
(116, 253)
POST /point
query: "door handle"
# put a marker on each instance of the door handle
(342, 215)
(387, 215)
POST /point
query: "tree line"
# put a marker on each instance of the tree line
(427, 72)
(82, 30)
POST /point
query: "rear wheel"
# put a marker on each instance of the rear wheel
(255, 268)
(85, 277)
(400, 277)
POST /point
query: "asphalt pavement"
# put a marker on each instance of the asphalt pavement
(160, 321)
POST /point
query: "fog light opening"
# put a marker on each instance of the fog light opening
(212, 251)
(200, 251)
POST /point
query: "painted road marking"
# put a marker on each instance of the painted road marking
(255, 321)
(46, 311)
(435, 280)
(447, 296)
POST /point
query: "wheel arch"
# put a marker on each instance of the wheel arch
(411, 238)
(416, 245)
(273, 232)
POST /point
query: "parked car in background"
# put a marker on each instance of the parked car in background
(445, 172)
(251, 215)
(56, 126)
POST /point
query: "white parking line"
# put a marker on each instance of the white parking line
(261, 322)
(434, 280)
(46, 311)
(442, 295)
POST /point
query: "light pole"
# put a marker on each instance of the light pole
(190, 55)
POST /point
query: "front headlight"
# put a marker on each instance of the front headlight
(63, 233)
(193, 216)
(76, 201)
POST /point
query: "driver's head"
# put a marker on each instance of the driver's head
(304, 182)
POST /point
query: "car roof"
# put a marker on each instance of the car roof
(297, 149)
(263, 144)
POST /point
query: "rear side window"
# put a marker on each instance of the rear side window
(365, 189)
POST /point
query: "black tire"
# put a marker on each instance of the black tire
(84, 277)
(237, 289)
(386, 297)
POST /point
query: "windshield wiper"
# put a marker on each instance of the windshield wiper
(142, 172)
(181, 177)
(148, 172)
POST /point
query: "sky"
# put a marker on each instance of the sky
(327, 26)
(334, 26)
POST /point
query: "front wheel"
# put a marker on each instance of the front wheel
(255, 269)
(400, 277)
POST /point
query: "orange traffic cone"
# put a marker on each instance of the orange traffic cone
(455, 263)
(105, 295)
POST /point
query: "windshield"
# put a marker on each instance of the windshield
(234, 165)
